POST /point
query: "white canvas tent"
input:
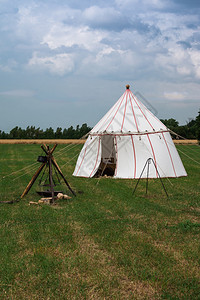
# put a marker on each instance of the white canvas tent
(124, 139)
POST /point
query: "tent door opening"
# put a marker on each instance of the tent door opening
(108, 156)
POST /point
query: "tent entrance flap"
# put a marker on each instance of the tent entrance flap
(108, 156)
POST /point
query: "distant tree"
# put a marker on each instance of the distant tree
(49, 133)
(190, 131)
(77, 132)
(192, 123)
(4, 135)
(58, 133)
(170, 123)
(31, 132)
(39, 133)
(14, 133)
(198, 126)
(70, 133)
(65, 133)
(84, 130)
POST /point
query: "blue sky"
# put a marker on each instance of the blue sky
(65, 63)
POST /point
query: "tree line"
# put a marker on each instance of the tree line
(31, 132)
(189, 131)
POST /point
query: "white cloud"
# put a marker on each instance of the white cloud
(95, 13)
(9, 66)
(74, 36)
(69, 36)
(142, 4)
(18, 93)
(182, 61)
(174, 95)
(106, 17)
(59, 64)
(104, 52)
(27, 24)
(184, 70)
(195, 58)
(5, 68)
(117, 40)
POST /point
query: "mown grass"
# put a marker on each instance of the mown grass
(104, 243)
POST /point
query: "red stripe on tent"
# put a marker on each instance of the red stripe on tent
(133, 113)
(116, 111)
(96, 158)
(169, 154)
(134, 155)
(116, 155)
(124, 111)
(112, 109)
(154, 116)
(81, 161)
(153, 153)
(135, 99)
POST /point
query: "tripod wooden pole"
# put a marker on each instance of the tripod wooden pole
(61, 174)
(37, 173)
(49, 161)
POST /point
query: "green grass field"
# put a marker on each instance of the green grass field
(103, 244)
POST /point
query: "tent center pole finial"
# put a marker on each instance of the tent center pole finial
(127, 86)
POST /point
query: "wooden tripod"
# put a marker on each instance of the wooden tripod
(48, 160)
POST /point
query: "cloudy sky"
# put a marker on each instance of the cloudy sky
(66, 62)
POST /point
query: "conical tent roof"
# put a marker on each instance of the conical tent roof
(127, 115)
(124, 139)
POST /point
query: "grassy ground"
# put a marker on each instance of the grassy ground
(103, 244)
